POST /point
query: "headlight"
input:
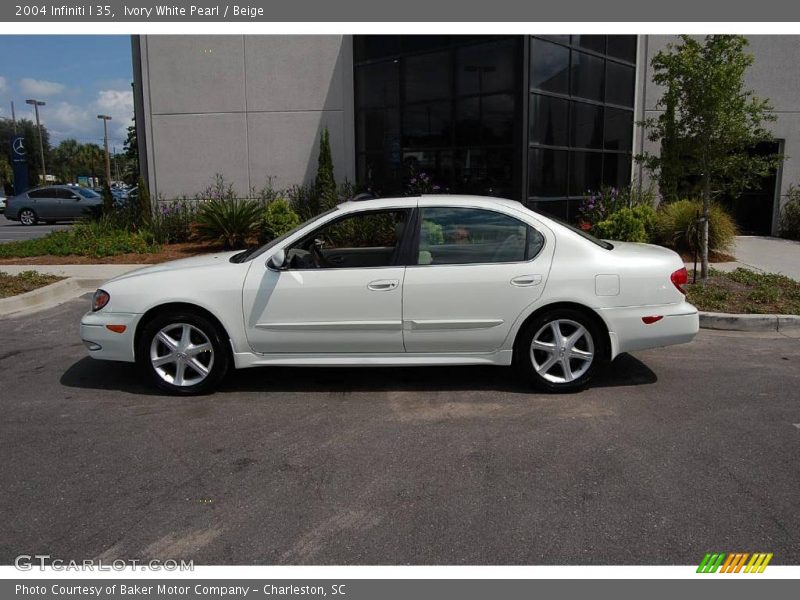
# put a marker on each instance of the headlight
(100, 299)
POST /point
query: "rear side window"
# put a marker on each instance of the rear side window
(43, 193)
(87, 193)
(452, 236)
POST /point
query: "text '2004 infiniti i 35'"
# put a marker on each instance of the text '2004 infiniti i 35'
(428, 280)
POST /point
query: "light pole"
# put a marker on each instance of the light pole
(106, 119)
(36, 104)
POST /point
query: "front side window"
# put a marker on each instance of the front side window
(368, 239)
(452, 236)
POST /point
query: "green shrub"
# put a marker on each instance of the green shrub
(790, 215)
(230, 221)
(304, 200)
(278, 218)
(172, 222)
(142, 207)
(676, 226)
(90, 238)
(628, 225)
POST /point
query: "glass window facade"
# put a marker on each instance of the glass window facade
(580, 127)
(446, 106)
(538, 119)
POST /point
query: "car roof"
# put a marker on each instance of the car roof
(431, 200)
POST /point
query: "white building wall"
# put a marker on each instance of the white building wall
(248, 107)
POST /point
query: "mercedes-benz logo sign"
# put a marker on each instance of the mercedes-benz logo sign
(19, 146)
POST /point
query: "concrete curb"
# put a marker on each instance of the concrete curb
(733, 322)
(47, 296)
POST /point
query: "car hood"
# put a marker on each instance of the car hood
(204, 260)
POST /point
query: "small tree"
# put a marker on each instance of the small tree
(108, 199)
(710, 123)
(325, 183)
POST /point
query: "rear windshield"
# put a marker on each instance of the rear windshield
(602, 243)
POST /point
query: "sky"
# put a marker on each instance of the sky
(78, 76)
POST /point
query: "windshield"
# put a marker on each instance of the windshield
(87, 193)
(259, 250)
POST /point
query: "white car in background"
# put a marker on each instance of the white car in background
(428, 280)
(2, 204)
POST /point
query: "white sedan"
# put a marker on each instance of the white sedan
(427, 280)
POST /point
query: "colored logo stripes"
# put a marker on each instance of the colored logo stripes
(734, 562)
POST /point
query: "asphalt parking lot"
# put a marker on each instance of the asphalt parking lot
(672, 453)
(12, 231)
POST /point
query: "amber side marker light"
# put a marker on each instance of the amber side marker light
(651, 320)
(116, 328)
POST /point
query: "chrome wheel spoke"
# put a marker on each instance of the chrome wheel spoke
(543, 346)
(549, 363)
(186, 334)
(556, 329)
(580, 354)
(180, 370)
(574, 337)
(196, 349)
(567, 369)
(164, 360)
(198, 367)
(167, 341)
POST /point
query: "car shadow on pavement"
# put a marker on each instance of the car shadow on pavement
(87, 373)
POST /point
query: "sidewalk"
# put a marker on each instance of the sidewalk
(767, 254)
(80, 280)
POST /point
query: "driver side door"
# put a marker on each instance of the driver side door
(340, 292)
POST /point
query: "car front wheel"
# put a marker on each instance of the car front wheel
(559, 350)
(183, 353)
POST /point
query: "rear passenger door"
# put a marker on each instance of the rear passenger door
(476, 271)
(45, 203)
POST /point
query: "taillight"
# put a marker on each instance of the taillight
(680, 278)
(100, 299)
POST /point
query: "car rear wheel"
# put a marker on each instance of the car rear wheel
(27, 216)
(183, 353)
(559, 350)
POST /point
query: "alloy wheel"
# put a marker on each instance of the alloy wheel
(181, 354)
(562, 351)
(27, 217)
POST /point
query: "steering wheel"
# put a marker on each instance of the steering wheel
(315, 249)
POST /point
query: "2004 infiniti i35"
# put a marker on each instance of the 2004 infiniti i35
(427, 280)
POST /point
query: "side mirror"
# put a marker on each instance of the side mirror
(277, 262)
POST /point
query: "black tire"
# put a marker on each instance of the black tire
(553, 379)
(200, 325)
(27, 216)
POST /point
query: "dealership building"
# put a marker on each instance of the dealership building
(540, 119)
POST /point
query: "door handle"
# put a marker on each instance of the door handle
(383, 285)
(526, 280)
